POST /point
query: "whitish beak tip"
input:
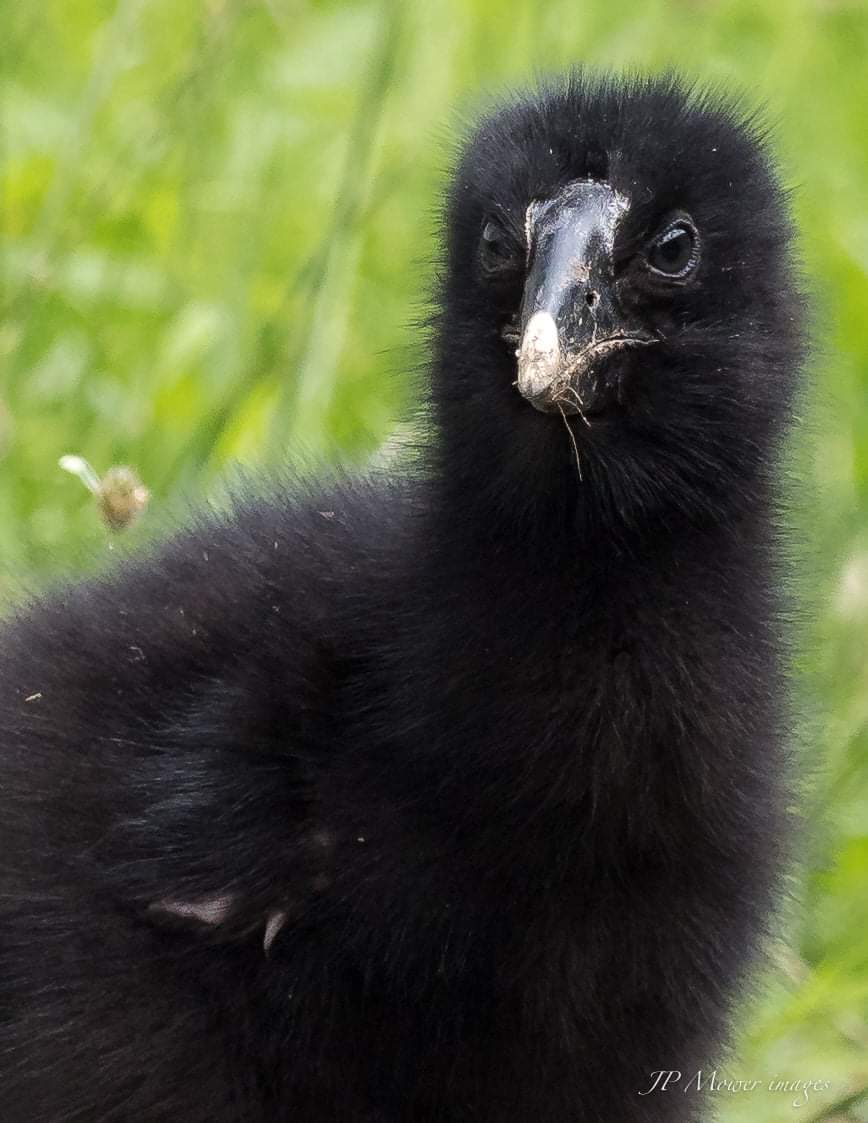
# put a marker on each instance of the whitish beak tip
(539, 355)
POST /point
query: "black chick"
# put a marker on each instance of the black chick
(457, 796)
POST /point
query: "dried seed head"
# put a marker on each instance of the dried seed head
(121, 497)
(120, 494)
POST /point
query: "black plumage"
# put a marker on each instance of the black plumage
(457, 794)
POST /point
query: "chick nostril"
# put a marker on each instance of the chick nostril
(591, 298)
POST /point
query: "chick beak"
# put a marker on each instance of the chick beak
(570, 317)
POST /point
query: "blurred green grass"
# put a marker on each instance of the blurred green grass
(217, 217)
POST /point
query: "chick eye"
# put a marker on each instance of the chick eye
(675, 252)
(497, 251)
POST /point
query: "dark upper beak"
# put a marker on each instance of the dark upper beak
(570, 316)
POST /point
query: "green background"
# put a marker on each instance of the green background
(217, 216)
